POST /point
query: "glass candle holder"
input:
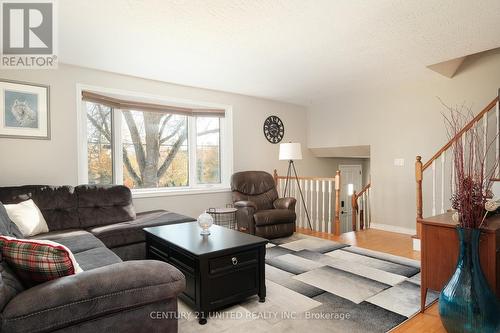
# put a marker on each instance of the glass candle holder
(205, 221)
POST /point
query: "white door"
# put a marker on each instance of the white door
(351, 180)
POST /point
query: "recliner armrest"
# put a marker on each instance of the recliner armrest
(244, 216)
(285, 203)
(91, 294)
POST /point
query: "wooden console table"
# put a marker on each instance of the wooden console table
(439, 252)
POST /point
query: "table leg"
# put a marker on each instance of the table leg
(423, 297)
(262, 274)
(202, 319)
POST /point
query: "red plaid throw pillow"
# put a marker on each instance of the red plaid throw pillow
(37, 261)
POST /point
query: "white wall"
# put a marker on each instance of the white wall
(401, 120)
(55, 161)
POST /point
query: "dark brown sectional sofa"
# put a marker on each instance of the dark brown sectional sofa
(100, 226)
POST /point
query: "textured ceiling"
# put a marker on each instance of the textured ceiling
(291, 50)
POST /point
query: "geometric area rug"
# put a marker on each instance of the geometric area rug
(317, 285)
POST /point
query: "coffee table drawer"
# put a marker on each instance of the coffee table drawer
(232, 286)
(182, 261)
(231, 262)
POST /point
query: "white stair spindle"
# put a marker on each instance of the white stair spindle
(299, 204)
(453, 175)
(485, 139)
(365, 206)
(369, 207)
(443, 176)
(323, 193)
(330, 186)
(306, 199)
(304, 189)
(497, 151)
(362, 221)
(293, 192)
(311, 202)
(317, 206)
(433, 187)
(473, 131)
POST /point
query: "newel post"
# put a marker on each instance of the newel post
(336, 226)
(418, 178)
(275, 176)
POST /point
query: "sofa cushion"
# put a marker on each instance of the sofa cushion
(74, 239)
(102, 205)
(10, 285)
(95, 258)
(136, 251)
(58, 204)
(89, 251)
(7, 227)
(274, 216)
(130, 232)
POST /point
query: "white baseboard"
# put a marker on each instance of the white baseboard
(393, 228)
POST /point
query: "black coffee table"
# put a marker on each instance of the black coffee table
(221, 269)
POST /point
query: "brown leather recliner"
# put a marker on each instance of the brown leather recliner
(260, 211)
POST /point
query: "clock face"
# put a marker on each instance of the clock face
(274, 129)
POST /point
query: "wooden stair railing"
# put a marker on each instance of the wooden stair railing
(362, 197)
(322, 199)
(421, 167)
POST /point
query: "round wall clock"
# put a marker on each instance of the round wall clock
(274, 129)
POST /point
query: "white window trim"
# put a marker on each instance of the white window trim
(226, 148)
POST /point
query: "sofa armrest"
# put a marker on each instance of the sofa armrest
(285, 203)
(91, 294)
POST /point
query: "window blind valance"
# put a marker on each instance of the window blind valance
(150, 107)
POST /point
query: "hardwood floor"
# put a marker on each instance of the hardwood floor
(377, 240)
(397, 244)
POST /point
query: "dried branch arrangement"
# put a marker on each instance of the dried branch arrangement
(474, 168)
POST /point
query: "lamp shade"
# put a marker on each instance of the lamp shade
(290, 151)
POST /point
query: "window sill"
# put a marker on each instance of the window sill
(139, 194)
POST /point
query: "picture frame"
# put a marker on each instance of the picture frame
(24, 110)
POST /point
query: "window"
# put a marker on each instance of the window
(152, 150)
(99, 142)
(350, 189)
(208, 150)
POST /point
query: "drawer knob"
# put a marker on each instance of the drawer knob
(234, 260)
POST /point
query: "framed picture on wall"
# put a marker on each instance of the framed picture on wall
(24, 110)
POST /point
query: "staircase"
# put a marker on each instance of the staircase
(321, 197)
(435, 177)
(361, 209)
(318, 206)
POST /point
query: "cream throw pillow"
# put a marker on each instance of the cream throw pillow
(27, 217)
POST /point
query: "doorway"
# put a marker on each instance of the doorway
(351, 180)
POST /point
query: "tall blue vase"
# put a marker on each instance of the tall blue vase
(466, 303)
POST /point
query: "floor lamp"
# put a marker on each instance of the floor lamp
(290, 152)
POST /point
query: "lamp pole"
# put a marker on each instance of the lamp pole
(291, 167)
